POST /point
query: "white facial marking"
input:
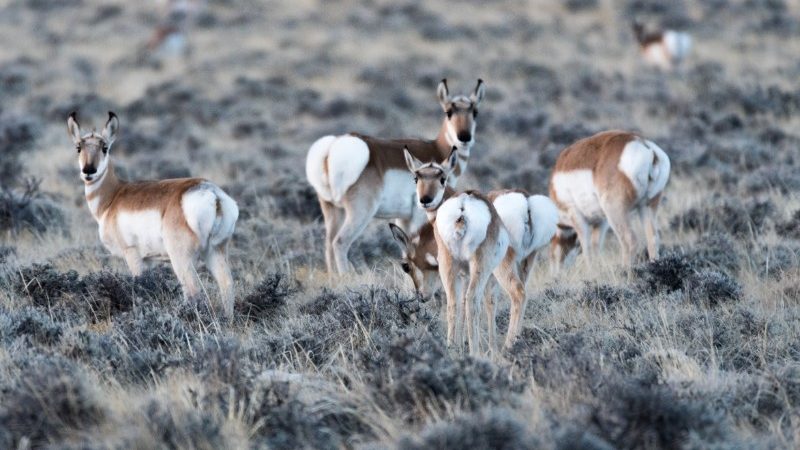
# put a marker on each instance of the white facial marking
(430, 259)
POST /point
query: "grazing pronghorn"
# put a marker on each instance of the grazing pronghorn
(663, 49)
(530, 220)
(359, 177)
(180, 219)
(598, 182)
(471, 238)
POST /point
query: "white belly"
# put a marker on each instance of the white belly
(399, 196)
(138, 229)
(575, 190)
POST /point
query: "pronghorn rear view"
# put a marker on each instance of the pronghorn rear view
(470, 238)
(598, 182)
(530, 221)
(178, 219)
(358, 177)
(663, 49)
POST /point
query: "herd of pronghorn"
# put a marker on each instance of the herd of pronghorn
(466, 237)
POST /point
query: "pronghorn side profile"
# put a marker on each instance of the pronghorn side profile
(598, 182)
(530, 220)
(358, 177)
(664, 49)
(470, 239)
(179, 219)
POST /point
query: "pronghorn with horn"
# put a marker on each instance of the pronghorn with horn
(528, 221)
(597, 183)
(178, 219)
(358, 177)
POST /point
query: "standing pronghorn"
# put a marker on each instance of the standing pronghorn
(471, 237)
(663, 49)
(598, 182)
(359, 177)
(180, 219)
(530, 221)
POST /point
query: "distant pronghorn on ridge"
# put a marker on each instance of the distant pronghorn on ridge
(664, 49)
(599, 182)
(178, 219)
(358, 177)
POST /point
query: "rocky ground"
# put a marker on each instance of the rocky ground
(699, 349)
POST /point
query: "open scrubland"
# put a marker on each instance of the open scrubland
(699, 349)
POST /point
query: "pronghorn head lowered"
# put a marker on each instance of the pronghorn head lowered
(461, 113)
(431, 178)
(93, 147)
(418, 257)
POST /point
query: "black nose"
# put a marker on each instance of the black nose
(464, 136)
(425, 200)
(89, 170)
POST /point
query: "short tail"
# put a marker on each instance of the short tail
(227, 213)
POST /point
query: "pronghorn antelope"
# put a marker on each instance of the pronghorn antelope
(358, 177)
(471, 237)
(180, 219)
(170, 36)
(663, 49)
(598, 182)
(530, 221)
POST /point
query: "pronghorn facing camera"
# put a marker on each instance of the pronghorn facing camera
(358, 177)
(470, 238)
(179, 219)
(598, 182)
(664, 49)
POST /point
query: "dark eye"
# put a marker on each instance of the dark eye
(78, 147)
(475, 113)
(415, 180)
(406, 268)
(450, 113)
(442, 180)
(105, 148)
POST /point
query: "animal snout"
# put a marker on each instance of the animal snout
(89, 170)
(425, 199)
(464, 136)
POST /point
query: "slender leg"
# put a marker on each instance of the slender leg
(217, 262)
(648, 215)
(331, 214)
(478, 277)
(183, 265)
(134, 261)
(507, 274)
(617, 215)
(489, 307)
(447, 272)
(358, 212)
(582, 229)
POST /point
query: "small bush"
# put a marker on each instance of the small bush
(665, 274)
(495, 429)
(739, 219)
(268, 299)
(48, 400)
(43, 284)
(26, 209)
(713, 288)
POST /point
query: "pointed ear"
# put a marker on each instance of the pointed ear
(400, 236)
(450, 163)
(411, 162)
(477, 94)
(442, 93)
(73, 128)
(111, 128)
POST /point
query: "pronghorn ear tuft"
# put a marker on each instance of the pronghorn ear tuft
(399, 235)
(411, 162)
(443, 93)
(111, 128)
(477, 94)
(73, 128)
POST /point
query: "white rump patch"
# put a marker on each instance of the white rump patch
(637, 163)
(658, 55)
(345, 156)
(200, 210)
(545, 220)
(576, 191)
(463, 222)
(513, 211)
(678, 44)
